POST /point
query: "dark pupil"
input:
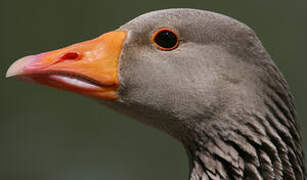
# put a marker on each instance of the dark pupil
(166, 39)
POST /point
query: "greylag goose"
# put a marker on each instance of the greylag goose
(202, 77)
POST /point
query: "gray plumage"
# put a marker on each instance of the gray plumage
(219, 93)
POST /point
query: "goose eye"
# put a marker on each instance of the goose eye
(165, 39)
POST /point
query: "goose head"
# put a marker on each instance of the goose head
(202, 77)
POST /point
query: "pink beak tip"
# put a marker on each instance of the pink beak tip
(17, 68)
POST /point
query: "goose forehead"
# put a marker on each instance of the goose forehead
(192, 25)
(180, 17)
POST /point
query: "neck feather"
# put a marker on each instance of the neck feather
(264, 148)
(259, 144)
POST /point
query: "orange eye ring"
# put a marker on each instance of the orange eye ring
(165, 39)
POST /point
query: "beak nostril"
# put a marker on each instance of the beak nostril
(70, 56)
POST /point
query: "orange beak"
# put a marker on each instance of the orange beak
(89, 68)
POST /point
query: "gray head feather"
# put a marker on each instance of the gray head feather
(219, 93)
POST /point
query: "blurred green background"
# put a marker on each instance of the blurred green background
(46, 134)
